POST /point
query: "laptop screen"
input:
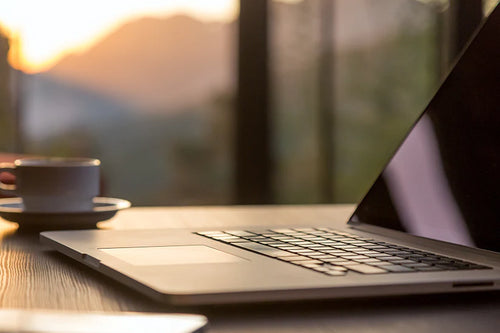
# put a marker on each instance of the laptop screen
(444, 180)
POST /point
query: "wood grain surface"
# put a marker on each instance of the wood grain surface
(33, 276)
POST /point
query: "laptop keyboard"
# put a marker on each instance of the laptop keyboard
(335, 253)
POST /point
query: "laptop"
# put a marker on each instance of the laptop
(429, 224)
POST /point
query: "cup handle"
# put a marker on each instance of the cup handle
(7, 188)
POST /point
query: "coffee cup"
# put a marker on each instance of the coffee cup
(53, 184)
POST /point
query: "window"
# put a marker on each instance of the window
(146, 86)
(355, 74)
(151, 88)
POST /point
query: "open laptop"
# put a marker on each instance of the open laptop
(429, 224)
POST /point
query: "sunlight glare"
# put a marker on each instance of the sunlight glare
(47, 30)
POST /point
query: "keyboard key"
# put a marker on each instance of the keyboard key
(358, 251)
(322, 249)
(298, 251)
(403, 262)
(308, 262)
(402, 253)
(295, 258)
(415, 257)
(318, 246)
(368, 260)
(336, 268)
(381, 263)
(284, 246)
(226, 238)
(418, 264)
(397, 268)
(429, 269)
(257, 238)
(432, 260)
(353, 257)
(367, 252)
(346, 247)
(336, 252)
(320, 268)
(333, 260)
(357, 248)
(275, 244)
(346, 263)
(296, 240)
(240, 233)
(377, 247)
(335, 273)
(319, 256)
(377, 255)
(328, 242)
(359, 243)
(303, 251)
(267, 250)
(366, 269)
(234, 240)
(270, 234)
(285, 239)
(210, 233)
(314, 239)
(392, 258)
(391, 250)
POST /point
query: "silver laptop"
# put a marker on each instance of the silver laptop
(429, 224)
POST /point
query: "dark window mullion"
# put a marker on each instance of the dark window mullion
(253, 167)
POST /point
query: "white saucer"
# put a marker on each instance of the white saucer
(11, 209)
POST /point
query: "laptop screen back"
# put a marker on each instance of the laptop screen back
(444, 180)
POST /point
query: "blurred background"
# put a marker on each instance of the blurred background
(226, 101)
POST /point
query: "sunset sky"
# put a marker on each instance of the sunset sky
(49, 29)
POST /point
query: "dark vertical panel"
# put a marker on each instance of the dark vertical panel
(253, 169)
(466, 15)
(443, 41)
(17, 99)
(11, 94)
(6, 115)
(18, 103)
(455, 26)
(325, 104)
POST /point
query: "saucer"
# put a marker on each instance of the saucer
(104, 208)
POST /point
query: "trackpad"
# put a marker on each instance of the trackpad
(171, 255)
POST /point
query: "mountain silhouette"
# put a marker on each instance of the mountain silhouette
(156, 64)
(174, 63)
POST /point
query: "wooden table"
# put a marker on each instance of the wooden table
(33, 276)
